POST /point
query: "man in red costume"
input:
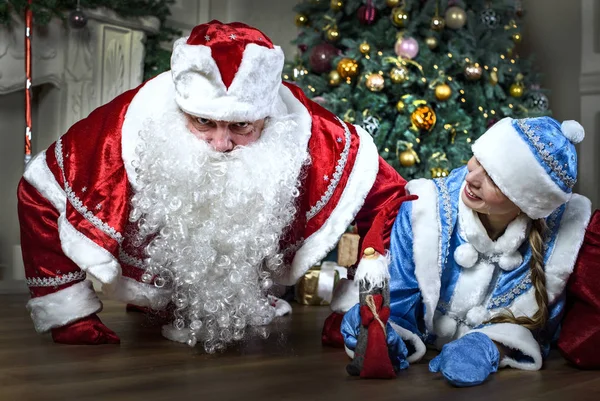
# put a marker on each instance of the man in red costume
(195, 190)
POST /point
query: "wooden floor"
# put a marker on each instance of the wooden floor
(290, 365)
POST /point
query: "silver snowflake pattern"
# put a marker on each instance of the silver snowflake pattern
(326, 177)
(232, 36)
(206, 37)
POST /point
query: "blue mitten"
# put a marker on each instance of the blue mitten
(467, 361)
(396, 348)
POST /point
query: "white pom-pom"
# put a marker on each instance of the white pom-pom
(510, 261)
(477, 315)
(573, 131)
(466, 255)
(445, 326)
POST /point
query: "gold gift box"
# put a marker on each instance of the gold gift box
(307, 288)
(348, 249)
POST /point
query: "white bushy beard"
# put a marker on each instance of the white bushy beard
(218, 219)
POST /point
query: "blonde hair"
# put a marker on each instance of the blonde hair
(538, 278)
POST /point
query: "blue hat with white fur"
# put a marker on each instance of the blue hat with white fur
(533, 161)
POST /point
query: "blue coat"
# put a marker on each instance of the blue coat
(448, 277)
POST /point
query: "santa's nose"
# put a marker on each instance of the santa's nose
(220, 141)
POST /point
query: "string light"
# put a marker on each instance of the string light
(502, 56)
(450, 55)
(387, 149)
(435, 66)
(450, 79)
(480, 108)
(462, 92)
(493, 112)
(379, 53)
(510, 105)
(424, 79)
(462, 100)
(418, 140)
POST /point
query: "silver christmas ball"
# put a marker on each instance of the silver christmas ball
(540, 102)
(490, 18)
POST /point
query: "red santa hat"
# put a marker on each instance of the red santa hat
(227, 72)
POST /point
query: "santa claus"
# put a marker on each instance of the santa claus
(195, 191)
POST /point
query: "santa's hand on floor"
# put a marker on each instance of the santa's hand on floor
(87, 331)
(467, 361)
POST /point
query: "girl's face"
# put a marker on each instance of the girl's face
(482, 195)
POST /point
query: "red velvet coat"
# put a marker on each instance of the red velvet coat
(74, 202)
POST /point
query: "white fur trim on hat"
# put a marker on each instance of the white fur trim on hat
(199, 88)
(518, 173)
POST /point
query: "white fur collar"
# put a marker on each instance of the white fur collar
(505, 250)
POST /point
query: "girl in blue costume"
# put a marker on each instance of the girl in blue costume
(479, 262)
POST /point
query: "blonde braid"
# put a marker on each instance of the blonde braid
(538, 278)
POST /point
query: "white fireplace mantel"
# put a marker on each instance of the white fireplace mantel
(90, 66)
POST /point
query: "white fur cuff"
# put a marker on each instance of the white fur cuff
(518, 338)
(63, 307)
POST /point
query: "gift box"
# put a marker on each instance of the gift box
(317, 285)
(348, 248)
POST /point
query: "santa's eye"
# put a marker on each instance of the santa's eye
(203, 121)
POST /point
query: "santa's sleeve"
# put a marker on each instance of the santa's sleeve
(388, 187)
(59, 292)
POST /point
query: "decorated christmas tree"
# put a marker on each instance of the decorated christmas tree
(425, 78)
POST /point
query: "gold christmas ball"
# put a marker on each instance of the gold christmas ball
(407, 158)
(301, 20)
(423, 118)
(334, 78)
(392, 3)
(443, 92)
(347, 68)
(516, 90)
(517, 38)
(431, 42)
(364, 48)
(336, 5)
(456, 17)
(437, 23)
(375, 82)
(333, 34)
(473, 71)
(399, 17)
(493, 78)
(438, 172)
(399, 74)
(400, 106)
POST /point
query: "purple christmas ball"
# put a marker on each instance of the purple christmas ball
(407, 48)
(321, 57)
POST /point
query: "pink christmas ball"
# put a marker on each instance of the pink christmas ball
(407, 47)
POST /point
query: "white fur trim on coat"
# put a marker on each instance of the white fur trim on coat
(523, 180)
(89, 256)
(426, 235)
(38, 174)
(568, 242)
(199, 88)
(86, 254)
(128, 290)
(414, 340)
(518, 338)
(63, 307)
(360, 182)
